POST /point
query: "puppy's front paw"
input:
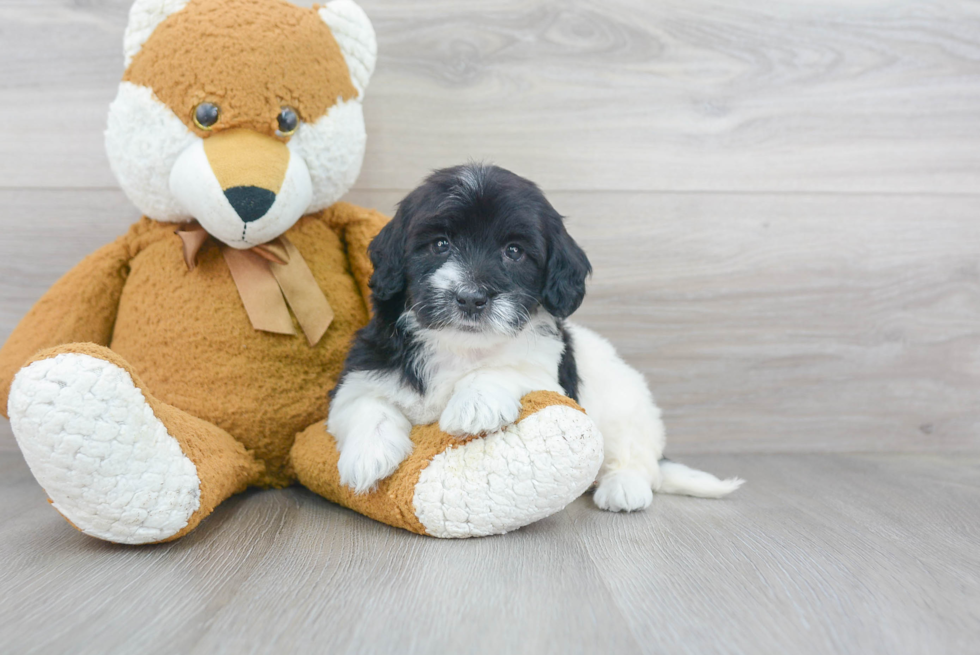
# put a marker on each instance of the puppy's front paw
(479, 411)
(370, 457)
(623, 491)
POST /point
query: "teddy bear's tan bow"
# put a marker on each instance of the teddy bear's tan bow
(268, 276)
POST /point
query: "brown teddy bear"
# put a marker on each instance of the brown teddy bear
(192, 357)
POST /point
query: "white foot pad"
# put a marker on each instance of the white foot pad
(510, 478)
(105, 460)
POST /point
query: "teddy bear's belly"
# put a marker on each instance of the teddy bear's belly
(190, 340)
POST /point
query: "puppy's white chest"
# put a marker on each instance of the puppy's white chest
(443, 369)
(524, 363)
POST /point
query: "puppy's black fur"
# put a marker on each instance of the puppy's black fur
(508, 245)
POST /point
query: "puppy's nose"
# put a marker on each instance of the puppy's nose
(250, 202)
(472, 302)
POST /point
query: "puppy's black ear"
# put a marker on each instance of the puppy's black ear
(564, 286)
(387, 252)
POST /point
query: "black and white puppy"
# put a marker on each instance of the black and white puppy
(474, 278)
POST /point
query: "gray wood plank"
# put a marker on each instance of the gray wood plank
(780, 202)
(765, 323)
(46, 232)
(288, 572)
(625, 95)
(7, 442)
(389, 592)
(789, 322)
(817, 554)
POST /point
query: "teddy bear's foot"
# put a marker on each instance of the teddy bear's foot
(94, 444)
(105, 458)
(510, 478)
(482, 486)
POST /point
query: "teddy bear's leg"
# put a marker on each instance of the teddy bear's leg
(117, 463)
(472, 488)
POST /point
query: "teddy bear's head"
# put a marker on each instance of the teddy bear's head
(241, 114)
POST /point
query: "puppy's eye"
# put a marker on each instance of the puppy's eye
(288, 121)
(514, 251)
(440, 246)
(206, 115)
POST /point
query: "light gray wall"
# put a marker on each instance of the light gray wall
(781, 199)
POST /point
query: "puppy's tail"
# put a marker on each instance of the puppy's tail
(684, 481)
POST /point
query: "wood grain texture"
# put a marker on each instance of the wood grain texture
(789, 322)
(780, 202)
(817, 554)
(7, 442)
(821, 554)
(624, 94)
(764, 323)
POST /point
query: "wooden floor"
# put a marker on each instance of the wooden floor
(819, 554)
(782, 204)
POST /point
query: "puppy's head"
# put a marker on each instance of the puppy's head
(476, 249)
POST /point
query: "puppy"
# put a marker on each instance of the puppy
(473, 280)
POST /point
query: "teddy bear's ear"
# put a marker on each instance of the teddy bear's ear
(352, 29)
(144, 17)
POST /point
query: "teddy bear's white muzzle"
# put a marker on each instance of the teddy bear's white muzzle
(243, 214)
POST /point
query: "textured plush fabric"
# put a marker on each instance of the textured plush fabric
(273, 54)
(194, 346)
(146, 136)
(187, 336)
(117, 460)
(393, 502)
(144, 396)
(80, 307)
(513, 477)
(355, 35)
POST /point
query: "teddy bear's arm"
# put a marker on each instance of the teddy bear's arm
(357, 227)
(80, 307)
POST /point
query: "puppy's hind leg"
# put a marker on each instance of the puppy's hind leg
(617, 398)
(630, 470)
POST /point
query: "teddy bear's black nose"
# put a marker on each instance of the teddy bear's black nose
(250, 202)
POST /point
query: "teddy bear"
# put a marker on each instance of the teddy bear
(191, 358)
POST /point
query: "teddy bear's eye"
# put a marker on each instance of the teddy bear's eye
(288, 121)
(206, 115)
